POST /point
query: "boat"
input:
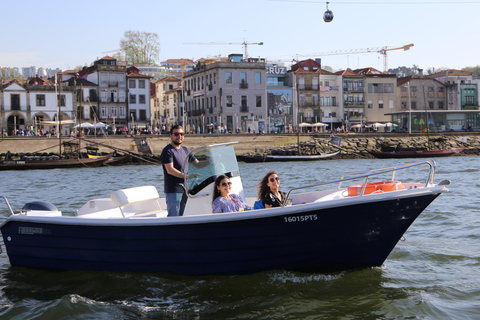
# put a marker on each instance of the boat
(290, 155)
(287, 155)
(71, 160)
(325, 227)
(415, 152)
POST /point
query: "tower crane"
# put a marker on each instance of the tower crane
(117, 50)
(244, 44)
(382, 50)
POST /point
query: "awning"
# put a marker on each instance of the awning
(54, 123)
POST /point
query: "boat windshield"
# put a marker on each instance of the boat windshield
(208, 164)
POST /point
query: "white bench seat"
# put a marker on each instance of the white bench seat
(138, 202)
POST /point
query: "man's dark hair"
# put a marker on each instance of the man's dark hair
(177, 126)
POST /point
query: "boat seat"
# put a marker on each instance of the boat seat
(142, 201)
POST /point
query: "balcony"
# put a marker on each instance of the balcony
(243, 85)
(308, 87)
(354, 104)
(244, 109)
(353, 89)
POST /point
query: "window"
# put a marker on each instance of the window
(114, 111)
(141, 98)
(414, 105)
(229, 101)
(103, 78)
(141, 84)
(370, 104)
(301, 83)
(103, 111)
(404, 105)
(143, 115)
(258, 100)
(380, 104)
(380, 88)
(228, 77)
(61, 100)
(413, 89)
(440, 104)
(40, 100)
(131, 83)
(103, 95)
(113, 95)
(122, 112)
(121, 96)
(258, 78)
(315, 83)
(120, 78)
(244, 107)
(243, 77)
(430, 104)
(133, 99)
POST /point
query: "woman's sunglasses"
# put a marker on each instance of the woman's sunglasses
(179, 134)
(273, 179)
(226, 184)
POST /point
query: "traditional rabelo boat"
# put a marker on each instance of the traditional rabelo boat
(328, 227)
(71, 159)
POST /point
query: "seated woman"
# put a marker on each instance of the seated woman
(223, 200)
(268, 191)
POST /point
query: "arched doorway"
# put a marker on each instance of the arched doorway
(15, 121)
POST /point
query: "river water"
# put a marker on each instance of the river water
(433, 274)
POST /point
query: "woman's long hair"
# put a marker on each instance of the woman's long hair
(263, 189)
(216, 193)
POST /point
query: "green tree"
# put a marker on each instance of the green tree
(140, 47)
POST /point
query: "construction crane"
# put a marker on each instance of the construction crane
(382, 50)
(244, 44)
(117, 50)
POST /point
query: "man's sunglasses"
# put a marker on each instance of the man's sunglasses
(179, 133)
(273, 179)
(226, 184)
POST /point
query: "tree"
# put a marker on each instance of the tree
(404, 71)
(140, 47)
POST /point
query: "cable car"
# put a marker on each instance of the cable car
(328, 15)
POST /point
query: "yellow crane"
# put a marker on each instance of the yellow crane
(244, 44)
(382, 50)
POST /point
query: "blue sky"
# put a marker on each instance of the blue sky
(66, 34)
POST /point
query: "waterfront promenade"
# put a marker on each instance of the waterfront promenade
(353, 144)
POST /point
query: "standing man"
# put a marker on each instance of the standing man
(173, 158)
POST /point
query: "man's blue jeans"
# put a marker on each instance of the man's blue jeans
(175, 206)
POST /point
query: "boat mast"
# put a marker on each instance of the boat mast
(58, 118)
(426, 117)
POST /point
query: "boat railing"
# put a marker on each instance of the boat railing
(8, 204)
(374, 172)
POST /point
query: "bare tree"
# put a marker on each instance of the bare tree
(140, 47)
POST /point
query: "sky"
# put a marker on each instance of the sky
(66, 34)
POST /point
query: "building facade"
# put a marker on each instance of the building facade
(110, 78)
(23, 105)
(226, 94)
(138, 98)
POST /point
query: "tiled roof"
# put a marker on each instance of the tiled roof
(347, 72)
(450, 72)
